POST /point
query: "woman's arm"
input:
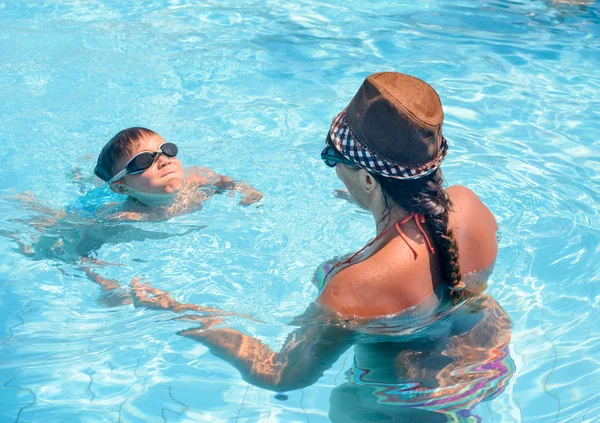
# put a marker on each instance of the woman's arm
(308, 351)
(145, 295)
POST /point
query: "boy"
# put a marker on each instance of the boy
(138, 163)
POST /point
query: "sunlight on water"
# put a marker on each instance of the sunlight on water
(249, 89)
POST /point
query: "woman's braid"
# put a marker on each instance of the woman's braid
(444, 236)
(428, 197)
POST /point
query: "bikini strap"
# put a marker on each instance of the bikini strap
(419, 218)
(349, 259)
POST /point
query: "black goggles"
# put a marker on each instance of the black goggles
(143, 160)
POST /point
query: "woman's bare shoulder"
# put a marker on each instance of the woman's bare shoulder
(369, 289)
(475, 229)
(468, 207)
(463, 195)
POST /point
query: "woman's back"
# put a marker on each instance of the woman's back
(404, 271)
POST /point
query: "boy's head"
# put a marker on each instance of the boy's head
(154, 185)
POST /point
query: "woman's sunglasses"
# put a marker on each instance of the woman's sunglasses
(143, 160)
(331, 157)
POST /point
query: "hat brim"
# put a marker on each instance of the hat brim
(346, 142)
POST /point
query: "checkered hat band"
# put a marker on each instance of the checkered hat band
(352, 149)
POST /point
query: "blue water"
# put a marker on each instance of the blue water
(248, 88)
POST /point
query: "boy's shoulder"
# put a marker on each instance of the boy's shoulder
(199, 175)
(110, 208)
(196, 179)
(199, 170)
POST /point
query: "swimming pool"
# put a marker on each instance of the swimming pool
(248, 88)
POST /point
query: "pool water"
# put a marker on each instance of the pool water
(248, 88)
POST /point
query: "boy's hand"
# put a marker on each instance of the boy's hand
(225, 182)
(252, 196)
(27, 201)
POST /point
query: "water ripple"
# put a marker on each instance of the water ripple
(249, 88)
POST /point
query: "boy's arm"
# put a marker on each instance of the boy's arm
(250, 194)
(27, 201)
(114, 211)
(128, 216)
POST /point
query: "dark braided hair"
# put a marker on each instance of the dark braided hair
(428, 197)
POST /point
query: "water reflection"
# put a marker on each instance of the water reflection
(440, 372)
(435, 365)
(78, 232)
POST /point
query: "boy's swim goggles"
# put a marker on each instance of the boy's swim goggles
(143, 160)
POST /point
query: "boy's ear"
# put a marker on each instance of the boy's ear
(118, 187)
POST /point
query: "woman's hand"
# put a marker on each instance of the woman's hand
(145, 295)
(343, 194)
(307, 352)
(204, 323)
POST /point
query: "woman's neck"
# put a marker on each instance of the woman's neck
(387, 217)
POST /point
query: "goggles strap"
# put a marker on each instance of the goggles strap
(118, 176)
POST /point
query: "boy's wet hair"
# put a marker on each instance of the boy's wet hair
(121, 145)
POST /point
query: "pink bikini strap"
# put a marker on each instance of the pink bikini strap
(419, 218)
(349, 259)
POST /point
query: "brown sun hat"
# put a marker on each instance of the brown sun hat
(392, 127)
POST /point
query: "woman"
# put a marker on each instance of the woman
(419, 350)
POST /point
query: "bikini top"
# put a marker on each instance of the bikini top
(324, 270)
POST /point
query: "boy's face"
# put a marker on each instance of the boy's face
(165, 176)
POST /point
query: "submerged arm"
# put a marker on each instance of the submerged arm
(307, 353)
(27, 201)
